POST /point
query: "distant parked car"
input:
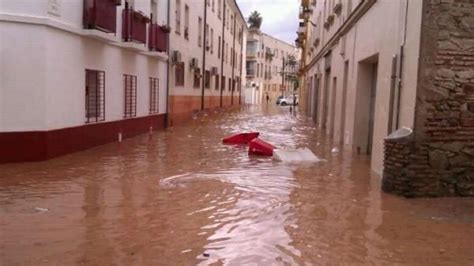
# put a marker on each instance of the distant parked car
(289, 100)
(279, 99)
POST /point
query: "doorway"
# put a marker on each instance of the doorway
(327, 78)
(344, 102)
(333, 107)
(366, 93)
(316, 99)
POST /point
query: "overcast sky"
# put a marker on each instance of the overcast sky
(280, 17)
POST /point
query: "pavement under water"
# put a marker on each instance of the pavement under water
(183, 198)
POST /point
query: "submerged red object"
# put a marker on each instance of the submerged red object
(242, 138)
(260, 147)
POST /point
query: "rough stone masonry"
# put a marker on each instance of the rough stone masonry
(437, 159)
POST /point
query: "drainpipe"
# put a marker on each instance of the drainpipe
(233, 66)
(241, 65)
(168, 70)
(402, 57)
(204, 55)
(222, 54)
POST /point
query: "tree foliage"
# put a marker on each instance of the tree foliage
(255, 20)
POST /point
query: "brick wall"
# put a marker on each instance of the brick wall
(442, 158)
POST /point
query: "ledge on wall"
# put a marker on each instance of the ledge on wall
(100, 35)
(158, 55)
(139, 47)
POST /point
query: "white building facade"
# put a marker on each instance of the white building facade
(75, 74)
(268, 68)
(352, 70)
(207, 51)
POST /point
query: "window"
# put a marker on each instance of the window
(207, 79)
(130, 89)
(206, 36)
(226, 51)
(219, 10)
(230, 84)
(219, 47)
(258, 70)
(223, 83)
(186, 22)
(231, 56)
(178, 16)
(231, 24)
(213, 4)
(179, 74)
(217, 82)
(154, 95)
(95, 96)
(200, 31)
(197, 78)
(212, 40)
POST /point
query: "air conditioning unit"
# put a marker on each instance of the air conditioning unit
(214, 71)
(194, 63)
(176, 58)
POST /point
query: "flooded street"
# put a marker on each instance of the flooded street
(183, 198)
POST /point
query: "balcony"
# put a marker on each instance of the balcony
(305, 3)
(337, 9)
(269, 55)
(158, 38)
(251, 72)
(100, 15)
(134, 25)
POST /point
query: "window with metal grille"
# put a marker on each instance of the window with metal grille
(230, 84)
(223, 83)
(207, 79)
(179, 74)
(130, 86)
(95, 96)
(217, 82)
(197, 78)
(154, 95)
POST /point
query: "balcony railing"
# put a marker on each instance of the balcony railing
(251, 72)
(101, 15)
(133, 25)
(158, 37)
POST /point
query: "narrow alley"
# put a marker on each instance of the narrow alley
(180, 197)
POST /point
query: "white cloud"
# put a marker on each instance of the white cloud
(280, 17)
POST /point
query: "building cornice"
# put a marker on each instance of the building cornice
(93, 34)
(354, 17)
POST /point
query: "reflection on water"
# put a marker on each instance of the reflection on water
(183, 198)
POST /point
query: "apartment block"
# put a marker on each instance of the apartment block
(206, 53)
(79, 73)
(270, 67)
(393, 80)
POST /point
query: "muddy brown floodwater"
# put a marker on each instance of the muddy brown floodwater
(183, 198)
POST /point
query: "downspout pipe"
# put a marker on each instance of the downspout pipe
(222, 55)
(402, 59)
(241, 63)
(168, 69)
(203, 71)
(233, 66)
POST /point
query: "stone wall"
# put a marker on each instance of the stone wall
(442, 162)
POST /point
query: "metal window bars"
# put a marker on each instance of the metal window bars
(95, 96)
(130, 86)
(154, 95)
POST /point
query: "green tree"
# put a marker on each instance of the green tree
(255, 20)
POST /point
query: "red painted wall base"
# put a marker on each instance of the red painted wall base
(43, 145)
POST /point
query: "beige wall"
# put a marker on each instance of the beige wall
(375, 38)
(190, 48)
(270, 86)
